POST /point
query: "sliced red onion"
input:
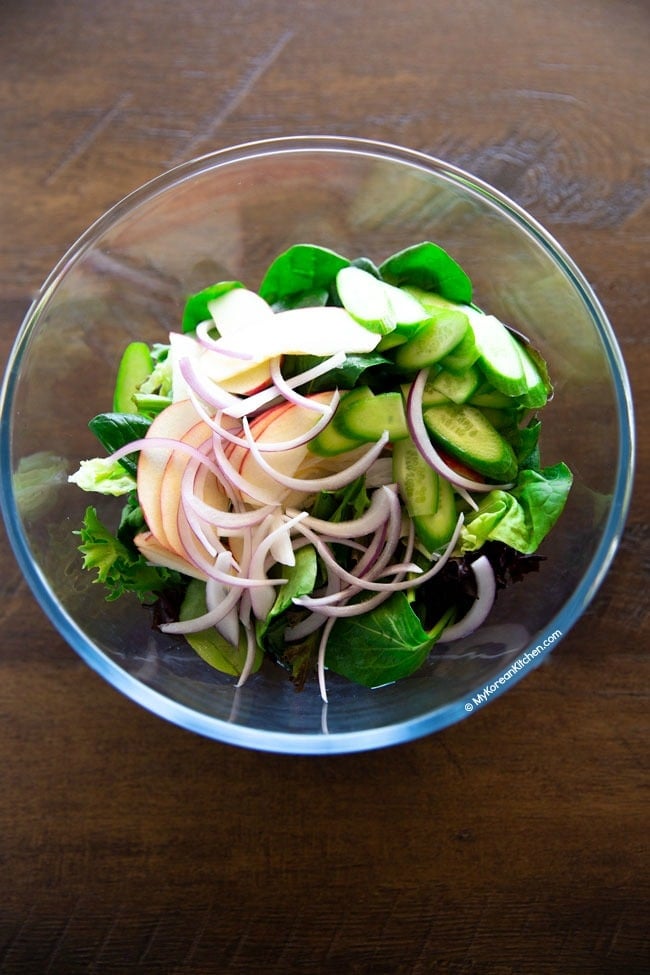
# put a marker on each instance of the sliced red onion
(311, 485)
(213, 546)
(289, 393)
(251, 653)
(197, 558)
(227, 522)
(485, 594)
(393, 586)
(166, 443)
(376, 514)
(233, 477)
(422, 441)
(352, 578)
(208, 390)
(204, 338)
(255, 401)
(262, 599)
(217, 613)
(314, 620)
(215, 422)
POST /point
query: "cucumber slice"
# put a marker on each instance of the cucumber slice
(464, 355)
(487, 395)
(499, 355)
(467, 434)
(536, 394)
(135, 366)
(378, 306)
(435, 530)
(433, 341)
(457, 388)
(391, 340)
(365, 419)
(332, 441)
(431, 301)
(431, 396)
(418, 483)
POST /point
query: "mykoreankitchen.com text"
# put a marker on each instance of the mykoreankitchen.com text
(526, 658)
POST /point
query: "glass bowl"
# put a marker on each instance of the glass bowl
(226, 216)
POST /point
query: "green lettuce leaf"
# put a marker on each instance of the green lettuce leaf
(523, 516)
(119, 569)
(104, 476)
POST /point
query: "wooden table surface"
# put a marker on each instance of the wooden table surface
(516, 842)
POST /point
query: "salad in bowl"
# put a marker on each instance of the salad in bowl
(334, 472)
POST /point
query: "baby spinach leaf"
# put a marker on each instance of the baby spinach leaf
(196, 307)
(132, 522)
(429, 267)
(381, 646)
(346, 504)
(301, 579)
(300, 271)
(115, 430)
(210, 644)
(298, 657)
(345, 376)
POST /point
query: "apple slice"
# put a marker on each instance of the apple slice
(149, 546)
(249, 379)
(236, 309)
(181, 347)
(170, 485)
(236, 454)
(286, 422)
(173, 423)
(320, 331)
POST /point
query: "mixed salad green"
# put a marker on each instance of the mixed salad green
(337, 471)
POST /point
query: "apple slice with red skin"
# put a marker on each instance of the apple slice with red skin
(235, 453)
(160, 470)
(320, 331)
(149, 546)
(286, 423)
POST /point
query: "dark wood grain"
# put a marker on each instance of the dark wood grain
(516, 842)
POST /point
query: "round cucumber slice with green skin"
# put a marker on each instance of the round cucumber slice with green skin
(499, 355)
(418, 483)
(135, 366)
(379, 306)
(463, 356)
(332, 440)
(433, 341)
(435, 530)
(367, 418)
(467, 434)
(457, 387)
(535, 396)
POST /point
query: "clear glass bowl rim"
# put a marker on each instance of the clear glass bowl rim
(346, 742)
